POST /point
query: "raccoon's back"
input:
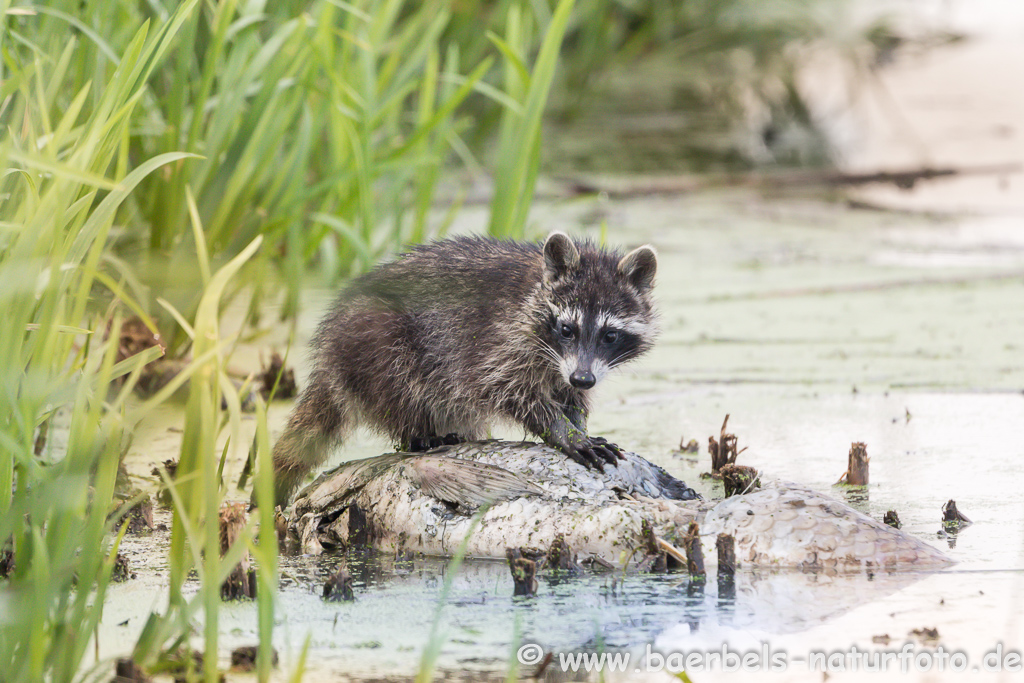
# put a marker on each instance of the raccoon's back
(446, 305)
(473, 275)
(416, 340)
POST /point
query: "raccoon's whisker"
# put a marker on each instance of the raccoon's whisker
(548, 352)
(620, 360)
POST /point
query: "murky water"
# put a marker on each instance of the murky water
(812, 326)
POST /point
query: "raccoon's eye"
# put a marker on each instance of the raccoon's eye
(610, 337)
(566, 330)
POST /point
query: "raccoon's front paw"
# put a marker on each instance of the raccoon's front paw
(608, 446)
(593, 452)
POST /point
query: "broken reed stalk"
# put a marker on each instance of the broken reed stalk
(739, 479)
(542, 667)
(678, 557)
(338, 588)
(6, 559)
(560, 556)
(952, 518)
(127, 671)
(892, 519)
(40, 443)
(694, 553)
(524, 572)
(243, 659)
(723, 452)
(276, 381)
(655, 559)
(856, 473)
(170, 468)
(726, 547)
(241, 582)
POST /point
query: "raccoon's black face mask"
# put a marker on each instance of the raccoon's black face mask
(600, 313)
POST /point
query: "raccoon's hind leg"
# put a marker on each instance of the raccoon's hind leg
(319, 422)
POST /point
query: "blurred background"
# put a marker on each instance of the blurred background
(342, 131)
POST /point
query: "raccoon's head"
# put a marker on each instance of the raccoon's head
(599, 311)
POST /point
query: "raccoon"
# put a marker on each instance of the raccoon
(454, 335)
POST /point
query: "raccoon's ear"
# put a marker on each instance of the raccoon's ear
(639, 266)
(560, 255)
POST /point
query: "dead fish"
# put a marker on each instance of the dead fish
(494, 495)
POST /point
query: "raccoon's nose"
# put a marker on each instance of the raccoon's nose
(582, 379)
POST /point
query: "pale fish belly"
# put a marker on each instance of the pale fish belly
(496, 495)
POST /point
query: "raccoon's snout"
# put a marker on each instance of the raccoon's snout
(582, 379)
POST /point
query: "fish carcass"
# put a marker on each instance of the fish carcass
(493, 495)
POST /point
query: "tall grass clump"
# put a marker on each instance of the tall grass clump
(66, 175)
(198, 490)
(70, 177)
(321, 126)
(519, 136)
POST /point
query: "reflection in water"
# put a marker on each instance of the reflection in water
(857, 497)
(396, 603)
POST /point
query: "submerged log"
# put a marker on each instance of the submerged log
(532, 494)
(790, 526)
(495, 495)
(903, 178)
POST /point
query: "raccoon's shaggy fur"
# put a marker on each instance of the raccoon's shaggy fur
(457, 334)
